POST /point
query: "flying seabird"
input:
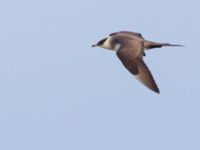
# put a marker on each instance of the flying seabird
(129, 47)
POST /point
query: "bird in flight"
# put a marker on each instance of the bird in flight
(129, 47)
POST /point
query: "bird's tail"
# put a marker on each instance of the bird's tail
(150, 45)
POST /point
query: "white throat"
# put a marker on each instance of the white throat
(107, 45)
(117, 47)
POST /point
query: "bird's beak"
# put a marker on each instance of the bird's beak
(94, 45)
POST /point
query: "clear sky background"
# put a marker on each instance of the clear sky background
(58, 93)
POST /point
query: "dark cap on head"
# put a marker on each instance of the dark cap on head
(100, 42)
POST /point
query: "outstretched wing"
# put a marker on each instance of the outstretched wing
(144, 75)
(132, 60)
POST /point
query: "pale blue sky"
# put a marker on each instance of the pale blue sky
(58, 93)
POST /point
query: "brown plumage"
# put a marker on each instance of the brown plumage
(129, 47)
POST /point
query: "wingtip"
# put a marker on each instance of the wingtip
(157, 91)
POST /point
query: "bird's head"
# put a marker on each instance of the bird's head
(101, 43)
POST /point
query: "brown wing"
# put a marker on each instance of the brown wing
(134, 63)
(128, 33)
(144, 75)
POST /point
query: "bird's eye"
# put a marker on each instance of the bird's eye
(102, 41)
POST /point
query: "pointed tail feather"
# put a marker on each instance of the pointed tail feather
(150, 45)
(168, 44)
